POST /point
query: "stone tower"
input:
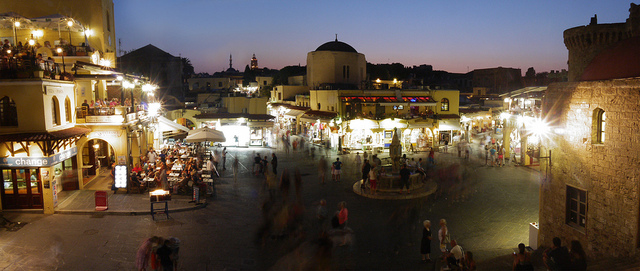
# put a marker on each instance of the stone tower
(585, 42)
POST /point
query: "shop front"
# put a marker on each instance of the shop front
(25, 178)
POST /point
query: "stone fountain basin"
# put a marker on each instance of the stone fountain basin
(390, 182)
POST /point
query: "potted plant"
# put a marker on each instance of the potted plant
(38, 72)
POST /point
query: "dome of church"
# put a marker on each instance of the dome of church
(336, 46)
(622, 60)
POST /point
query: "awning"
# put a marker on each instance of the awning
(421, 125)
(294, 112)
(43, 136)
(446, 125)
(255, 124)
(168, 125)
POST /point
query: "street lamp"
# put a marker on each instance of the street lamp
(59, 50)
(69, 24)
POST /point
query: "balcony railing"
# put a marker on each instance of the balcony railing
(109, 114)
(25, 67)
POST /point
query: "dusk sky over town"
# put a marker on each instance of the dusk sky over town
(455, 36)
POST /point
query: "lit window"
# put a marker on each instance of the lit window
(55, 111)
(598, 126)
(445, 104)
(67, 110)
(576, 207)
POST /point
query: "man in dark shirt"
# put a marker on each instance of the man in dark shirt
(405, 173)
(164, 254)
(257, 164)
(366, 167)
(558, 257)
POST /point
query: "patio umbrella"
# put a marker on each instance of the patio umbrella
(8, 20)
(205, 134)
(58, 22)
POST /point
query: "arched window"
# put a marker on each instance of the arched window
(445, 104)
(598, 126)
(55, 111)
(67, 109)
(8, 112)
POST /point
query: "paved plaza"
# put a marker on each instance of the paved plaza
(489, 214)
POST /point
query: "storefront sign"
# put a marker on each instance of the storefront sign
(105, 134)
(38, 161)
(104, 119)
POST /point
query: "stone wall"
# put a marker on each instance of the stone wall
(609, 171)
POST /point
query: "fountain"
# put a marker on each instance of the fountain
(389, 186)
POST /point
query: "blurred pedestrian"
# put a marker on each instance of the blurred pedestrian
(164, 254)
(443, 236)
(337, 169)
(522, 259)
(235, 169)
(358, 161)
(274, 163)
(366, 167)
(578, 257)
(224, 158)
(143, 256)
(373, 178)
(405, 174)
(174, 245)
(322, 169)
(425, 244)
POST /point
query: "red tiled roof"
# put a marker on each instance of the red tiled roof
(44, 136)
(622, 60)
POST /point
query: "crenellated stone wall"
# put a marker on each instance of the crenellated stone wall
(608, 172)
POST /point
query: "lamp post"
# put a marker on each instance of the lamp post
(60, 52)
(69, 25)
(16, 24)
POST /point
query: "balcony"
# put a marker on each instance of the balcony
(114, 115)
(26, 67)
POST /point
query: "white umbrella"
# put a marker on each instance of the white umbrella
(205, 134)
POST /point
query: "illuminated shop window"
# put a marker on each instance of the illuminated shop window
(576, 207)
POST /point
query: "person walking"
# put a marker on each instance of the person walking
(143, 256)
(522, 260)
(373, 177)
(224, 158)
(337, 169)
(358, 161)
(322, 169)
(366, 167)
(257, 164)
(425, 244)
(405, 174)
(235, 169)
(274, 163)
(164, 253)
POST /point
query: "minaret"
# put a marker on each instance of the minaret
(254, 62)
(230, 62)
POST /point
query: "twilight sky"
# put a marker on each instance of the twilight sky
(455, 36)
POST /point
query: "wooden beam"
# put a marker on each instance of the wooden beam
(42, 147)
(25, 148)
(9, 147)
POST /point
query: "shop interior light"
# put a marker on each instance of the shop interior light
(504, 115)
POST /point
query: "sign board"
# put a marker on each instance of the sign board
(38, 161)
(122, 160)
(196, 194)
(101, 201)
(120, 176)
(107, 119)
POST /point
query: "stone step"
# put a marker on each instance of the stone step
(627, 263)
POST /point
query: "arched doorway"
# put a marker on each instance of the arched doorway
(97, 158)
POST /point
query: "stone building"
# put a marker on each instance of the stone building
(590, 188)
(336, 65)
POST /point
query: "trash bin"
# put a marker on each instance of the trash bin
(101, 200)
(533, 235)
